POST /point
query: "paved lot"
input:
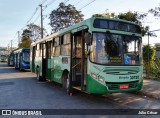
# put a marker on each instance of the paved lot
(21, 90)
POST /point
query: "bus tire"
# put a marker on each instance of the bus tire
(65, 81)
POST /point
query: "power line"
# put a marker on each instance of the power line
(36, 18)
(43, 1)
(15, 35)
(51, 2)
(78, 2)
(33, 15)
(35, 11)
(87, 4)
(65, 1)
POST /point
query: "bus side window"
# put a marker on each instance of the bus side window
(53, 48)
(40, 50)
(56, 47)
(57, 51)
(66, 47)
(79, 47)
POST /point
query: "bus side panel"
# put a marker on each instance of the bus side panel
(65, 63)
(52, 68)
(49, 69)
(38, 62)
(95, 87)
(56, 72)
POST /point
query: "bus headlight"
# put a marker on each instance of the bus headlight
(101, 79)
(93, 75)
(98, 77)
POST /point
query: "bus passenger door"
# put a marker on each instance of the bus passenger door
(33, 54)
(78, 61)
(48, 59)
(44, 67)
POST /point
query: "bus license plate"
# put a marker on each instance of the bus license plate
(124, 86)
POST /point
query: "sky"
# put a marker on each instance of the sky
(16, 14)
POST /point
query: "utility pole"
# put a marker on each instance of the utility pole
(11, 45)
(41, 21)
(18, 38)
(8, 49)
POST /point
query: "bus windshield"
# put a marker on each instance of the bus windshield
(116, 49)
(26, 56)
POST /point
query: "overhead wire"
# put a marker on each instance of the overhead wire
(51, 2)
(78, 2)
(36, 18)
(87, 4)
(65, 1)
(33, 15)
(43, 1)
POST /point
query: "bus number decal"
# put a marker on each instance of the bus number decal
(134, 77)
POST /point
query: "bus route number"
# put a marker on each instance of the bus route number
(134, 77)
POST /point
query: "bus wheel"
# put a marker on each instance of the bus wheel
(65, 81)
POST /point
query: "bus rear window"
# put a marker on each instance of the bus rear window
(116, 25)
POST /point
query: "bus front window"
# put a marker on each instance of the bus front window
(115, 49)
(132, 50)
(26, 56)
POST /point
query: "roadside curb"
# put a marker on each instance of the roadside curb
(144, 93)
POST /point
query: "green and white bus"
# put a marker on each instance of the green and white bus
(97, 55)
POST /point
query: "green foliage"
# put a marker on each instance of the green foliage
(152, 53)
(26, 41)
(64, 16)
(155, 70)
(107, 15)
(130, 16)
(148, 58)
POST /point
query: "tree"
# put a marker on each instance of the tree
(64, 16)
(26, 41)
(155, 11)
(26, 33)
(107, 15)
(35, 32)
(148, 57)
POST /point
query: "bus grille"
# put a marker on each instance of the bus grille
(116, 85)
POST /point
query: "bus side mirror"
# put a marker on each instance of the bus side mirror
(88, 38)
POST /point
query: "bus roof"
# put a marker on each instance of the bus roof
(20, 50)
(83, 24)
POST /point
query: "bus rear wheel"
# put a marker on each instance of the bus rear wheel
(65, 81)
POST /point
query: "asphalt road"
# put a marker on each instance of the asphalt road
(21, 90)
